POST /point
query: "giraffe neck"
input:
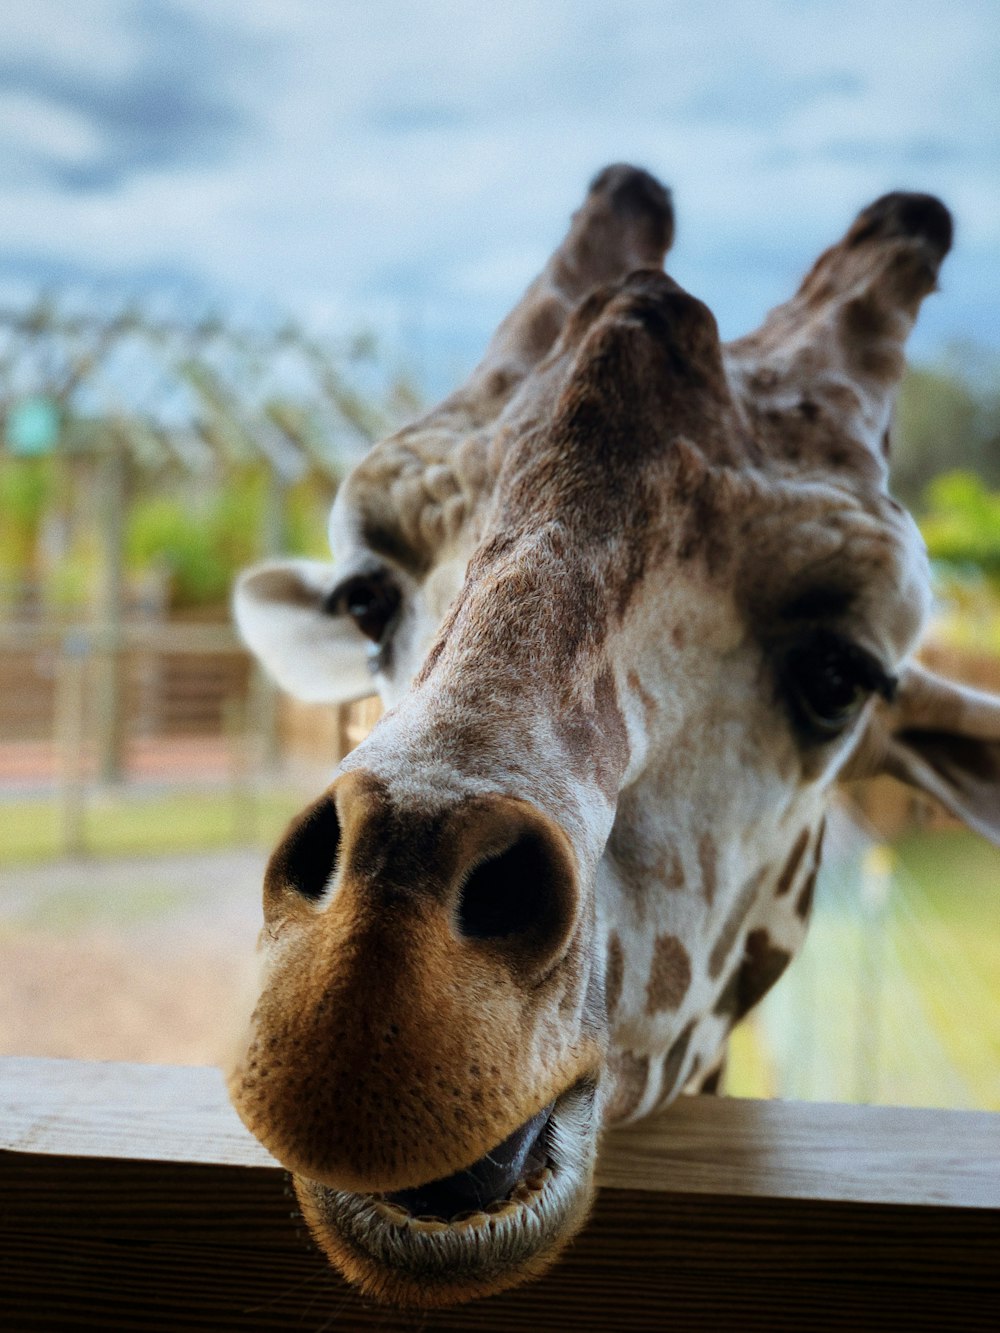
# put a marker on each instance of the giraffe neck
(694, 933)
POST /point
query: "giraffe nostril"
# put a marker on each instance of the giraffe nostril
(306, 857)
(507, 894)
(522, 899)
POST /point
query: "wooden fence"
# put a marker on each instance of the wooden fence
(174, 680)
(133, 1198)
(154, 701)
(174, 700)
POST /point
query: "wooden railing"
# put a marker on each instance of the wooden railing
(132, 1198)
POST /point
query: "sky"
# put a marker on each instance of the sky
(406, 167)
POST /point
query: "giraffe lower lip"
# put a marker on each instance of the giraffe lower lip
(485, 1182)
(410, 1259)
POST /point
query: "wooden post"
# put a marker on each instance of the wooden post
(70, 740)
(242, 773)
(263, 695)
(262, 720)
(110, 703)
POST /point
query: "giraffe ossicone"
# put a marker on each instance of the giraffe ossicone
(636, 601)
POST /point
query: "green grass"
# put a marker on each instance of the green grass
(133, 825)
(958, 872)
(69, 911)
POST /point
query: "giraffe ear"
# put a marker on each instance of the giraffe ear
(944, 739)
(280, 608)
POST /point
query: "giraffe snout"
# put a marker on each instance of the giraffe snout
(499, 873)
(414, 960)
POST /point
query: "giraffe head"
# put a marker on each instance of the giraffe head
(636, 601)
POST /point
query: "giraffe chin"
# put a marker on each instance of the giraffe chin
(400, 1259)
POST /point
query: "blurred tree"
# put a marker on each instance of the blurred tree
(232, 442)
(947, 418)
(27, 487)
(201, 535)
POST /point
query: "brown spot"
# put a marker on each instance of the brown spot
(671, 871)
(540, 325)
(596, 739)
(734, 921)
(674, 1062)
(761, 966)
(649, 707)
(670, 975)
(677, 636)
(727, 1004)
(863, 319)
(631, 1075)
(615, 973)
(382, 534)
(712, 1081)
(612, 723)
(788, 874)
(803, 904)
(499, 382)
(707, 865)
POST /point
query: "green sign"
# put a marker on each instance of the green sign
(32, 427)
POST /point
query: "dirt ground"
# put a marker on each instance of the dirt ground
(145, 960)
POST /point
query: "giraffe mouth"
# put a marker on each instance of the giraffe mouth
(521, 1159)
(475, 1232)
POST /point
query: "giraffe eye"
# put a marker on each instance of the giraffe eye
(371, 600)
(828, 680)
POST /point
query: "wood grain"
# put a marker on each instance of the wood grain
(131, 1198)
(712, 1145)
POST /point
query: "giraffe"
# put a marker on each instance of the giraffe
(636, 601)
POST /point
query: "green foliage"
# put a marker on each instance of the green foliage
(200, 540)
(27, 488)
(947, 417)
(69, 585)
(206, 415)
(961, 526)
(203, 539)
(307, 511)
(961, 522)
(165, 533)
(235, 516)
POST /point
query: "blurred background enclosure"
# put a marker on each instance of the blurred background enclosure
(207, 210)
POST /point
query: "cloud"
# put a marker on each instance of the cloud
(748, 93)
(405, 166)
(92, 127)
